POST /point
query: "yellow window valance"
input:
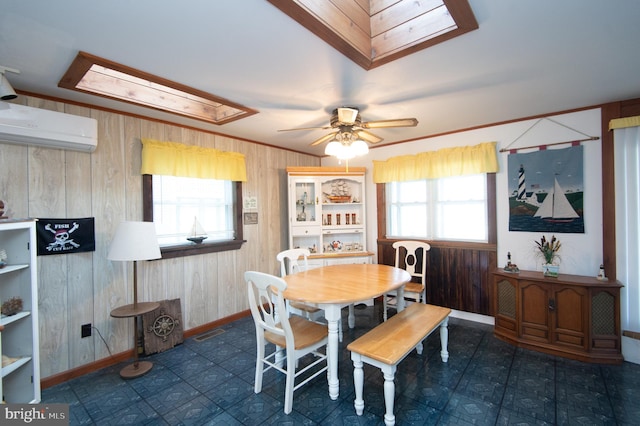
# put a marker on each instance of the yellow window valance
(176, 159)
(620, 123)
(464, 160)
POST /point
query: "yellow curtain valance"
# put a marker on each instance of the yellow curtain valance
(620, 123)
(464, 160)
(176, 159)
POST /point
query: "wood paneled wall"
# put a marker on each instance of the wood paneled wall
(83, 288)
(458, 274)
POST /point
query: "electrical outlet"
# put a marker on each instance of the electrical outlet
(86, 330)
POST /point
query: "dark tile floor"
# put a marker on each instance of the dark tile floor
(485, 382)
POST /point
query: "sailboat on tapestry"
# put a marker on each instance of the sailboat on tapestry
(556, 206)
(546, 191)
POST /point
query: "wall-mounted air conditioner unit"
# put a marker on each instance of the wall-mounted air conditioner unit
(34, 126)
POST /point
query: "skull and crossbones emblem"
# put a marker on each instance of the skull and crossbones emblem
(62, 237)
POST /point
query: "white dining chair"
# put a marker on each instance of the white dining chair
(296, 260)
(412, 257)
(294, 337)
(292, 261)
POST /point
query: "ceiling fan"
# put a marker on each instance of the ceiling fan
(349, 127)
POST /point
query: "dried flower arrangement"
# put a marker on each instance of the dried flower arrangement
(549, 248)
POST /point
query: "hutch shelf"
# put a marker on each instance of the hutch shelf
(20, 379)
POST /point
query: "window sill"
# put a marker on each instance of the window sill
(192, 249)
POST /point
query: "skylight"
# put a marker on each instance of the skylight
(372, 33)
(101, 77)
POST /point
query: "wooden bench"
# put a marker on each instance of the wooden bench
(390, 342)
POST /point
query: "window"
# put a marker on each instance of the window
(452, 208)
(174, 203)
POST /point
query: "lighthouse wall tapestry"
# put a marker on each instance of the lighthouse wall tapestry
(546, 191)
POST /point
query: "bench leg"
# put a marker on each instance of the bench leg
(444, 340)
(358, 381)
(389, 372)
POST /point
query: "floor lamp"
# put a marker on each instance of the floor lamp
(134, 241)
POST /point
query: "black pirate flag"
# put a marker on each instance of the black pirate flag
(62, 236)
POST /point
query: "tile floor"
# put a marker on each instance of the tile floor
(485, 382)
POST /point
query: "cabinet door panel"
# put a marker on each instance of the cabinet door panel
(506, 307)
(534, 300)
(570, 316)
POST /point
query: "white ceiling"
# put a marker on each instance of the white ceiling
(528, 57)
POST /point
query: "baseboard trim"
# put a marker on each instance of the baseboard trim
(631, 346)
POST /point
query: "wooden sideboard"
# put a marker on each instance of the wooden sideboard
(572, 316)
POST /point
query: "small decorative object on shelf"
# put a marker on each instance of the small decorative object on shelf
(511, 267)
(601, 275)
(3, 258)
(340, 192)
(2, 216)
(549, 249)
(11, 306)
(197, 234)
(335, 246)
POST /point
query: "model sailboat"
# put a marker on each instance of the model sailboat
(197, 234)
(556, 207)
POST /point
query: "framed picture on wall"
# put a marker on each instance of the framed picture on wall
(546, 191)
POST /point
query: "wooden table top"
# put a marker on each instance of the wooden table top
(347, 283)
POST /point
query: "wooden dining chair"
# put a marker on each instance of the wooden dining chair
(412, 257)
(294, 337)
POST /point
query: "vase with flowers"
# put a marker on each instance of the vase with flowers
(549, 249)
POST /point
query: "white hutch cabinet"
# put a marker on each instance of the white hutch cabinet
(20, 382)
(327, 214)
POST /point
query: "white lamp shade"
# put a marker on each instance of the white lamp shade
(360, 147)
(135, 241)
(332, 148)
(346, 153)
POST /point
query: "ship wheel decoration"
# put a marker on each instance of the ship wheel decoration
(163, 325)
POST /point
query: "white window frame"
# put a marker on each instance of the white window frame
(433, 204)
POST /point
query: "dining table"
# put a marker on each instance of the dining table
(334, 286)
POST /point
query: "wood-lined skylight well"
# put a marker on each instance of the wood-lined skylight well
(375, 32)
(98, 76)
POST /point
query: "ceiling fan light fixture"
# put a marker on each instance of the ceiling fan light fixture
(346, 147)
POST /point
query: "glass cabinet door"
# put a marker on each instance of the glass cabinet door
(305, 210)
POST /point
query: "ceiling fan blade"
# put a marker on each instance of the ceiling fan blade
(368, 136)
(324, 138)
(305, 128)
(347, 116)
(398, 122)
